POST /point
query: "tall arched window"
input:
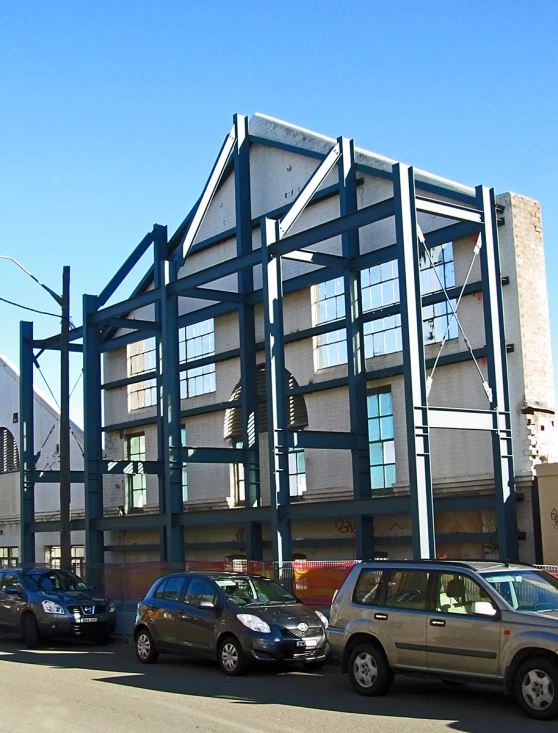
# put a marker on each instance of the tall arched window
(9, 456)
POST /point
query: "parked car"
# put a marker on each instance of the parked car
(235, 618)
(486, 622)
(42, 603)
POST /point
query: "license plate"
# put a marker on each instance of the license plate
(88, 620)
(307, 643)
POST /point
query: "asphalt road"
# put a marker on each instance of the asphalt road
(71, 687)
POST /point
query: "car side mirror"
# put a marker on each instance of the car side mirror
(484, 608)
(12, 590)
(208, 605)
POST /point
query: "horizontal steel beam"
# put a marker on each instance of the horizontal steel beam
(213, 455)
(221, 296)
(53, 525)
(131, 468)
(448, 211)
(53, 477)
(126, 306)
(457, 419)
(321, 439)
(319, 258)
(133, 323)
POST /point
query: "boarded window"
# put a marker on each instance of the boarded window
(9, 456)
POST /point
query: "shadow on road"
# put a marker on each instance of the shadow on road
(473, 709)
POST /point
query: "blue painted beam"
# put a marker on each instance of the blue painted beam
(125, 306)
(497, 387)
(92, 394)
(26, 443)
(213, 455)
(321, 439)
(221, 296)
(418, 437)
(277, 418)
(247, 334)
(125, 269)
(53, 477)
(133, 323)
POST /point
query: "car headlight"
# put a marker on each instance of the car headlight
(51, 607)
(255, 623)
(322, 618)
(112, 608)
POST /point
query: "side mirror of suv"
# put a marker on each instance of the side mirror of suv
(484, 608)
(208, 605)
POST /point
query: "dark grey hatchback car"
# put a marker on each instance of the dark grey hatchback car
(235, 618)
(42, 603)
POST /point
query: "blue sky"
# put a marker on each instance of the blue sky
(113, 113)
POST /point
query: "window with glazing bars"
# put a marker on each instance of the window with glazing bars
(328, 305)
(9, 557)
(142, 358)
(297, 474)
(437, 270)
(381, 439)
(53, 556)
(196, 342)
(380, 287)
(184, 467)
(136, 495)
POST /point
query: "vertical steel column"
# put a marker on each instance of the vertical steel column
(92, 411)
(502, 452)
(355, 352)
(26, 442)
(169, 394)
(277, 420)
(160, 250)
(247, 333)
(416, 410)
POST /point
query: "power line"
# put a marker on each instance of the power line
(27, 308)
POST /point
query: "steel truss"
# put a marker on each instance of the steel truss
(473, 214)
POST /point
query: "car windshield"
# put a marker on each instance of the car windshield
(526, 590)
(55, 580)
(243, 591)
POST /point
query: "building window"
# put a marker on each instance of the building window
(53, 556)
(239, 484)
(142, 358)
(380, 287)
(297, 472)
(184, 466)
(9, 557)
(136, 494)
(381, 440)
(297, 475)
(438, 320)
(9, 456)
(330, 349)
(196, 342)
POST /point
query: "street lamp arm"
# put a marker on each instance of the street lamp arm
(56, 297)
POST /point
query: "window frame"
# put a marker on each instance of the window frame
(147, 387)
(187, 376)
(130, 490)
(377, 392)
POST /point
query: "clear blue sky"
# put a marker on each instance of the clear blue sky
(112, 114)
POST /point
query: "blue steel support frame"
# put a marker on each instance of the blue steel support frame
(92, 397)
(169, 397)
(247, 333)
(26, 443)
(281, 536)
(356, 366)
(416, 410)
(502, 452)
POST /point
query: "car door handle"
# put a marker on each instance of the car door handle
(437, 622)
(381, 616)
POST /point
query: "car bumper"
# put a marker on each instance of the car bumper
(336, 639)
(57, 627)
(287, 651)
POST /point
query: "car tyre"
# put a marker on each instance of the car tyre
(30, 631)
(146, 651)
(231, 657)
(536, 688)
(369, 671)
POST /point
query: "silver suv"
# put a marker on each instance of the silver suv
(456, 621)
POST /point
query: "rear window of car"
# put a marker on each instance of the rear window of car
(408, 589)
(369, 587)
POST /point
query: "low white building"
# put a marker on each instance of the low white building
(47, 497)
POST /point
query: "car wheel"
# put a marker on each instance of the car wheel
(30, 631)
(536, 688)
(146, 651)
(231, 657)
(369, 671)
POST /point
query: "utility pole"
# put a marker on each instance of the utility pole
(65, 493)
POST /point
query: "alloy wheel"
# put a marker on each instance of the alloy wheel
(537, 689)
(229, 656)
(365, 669)
(143, 646)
